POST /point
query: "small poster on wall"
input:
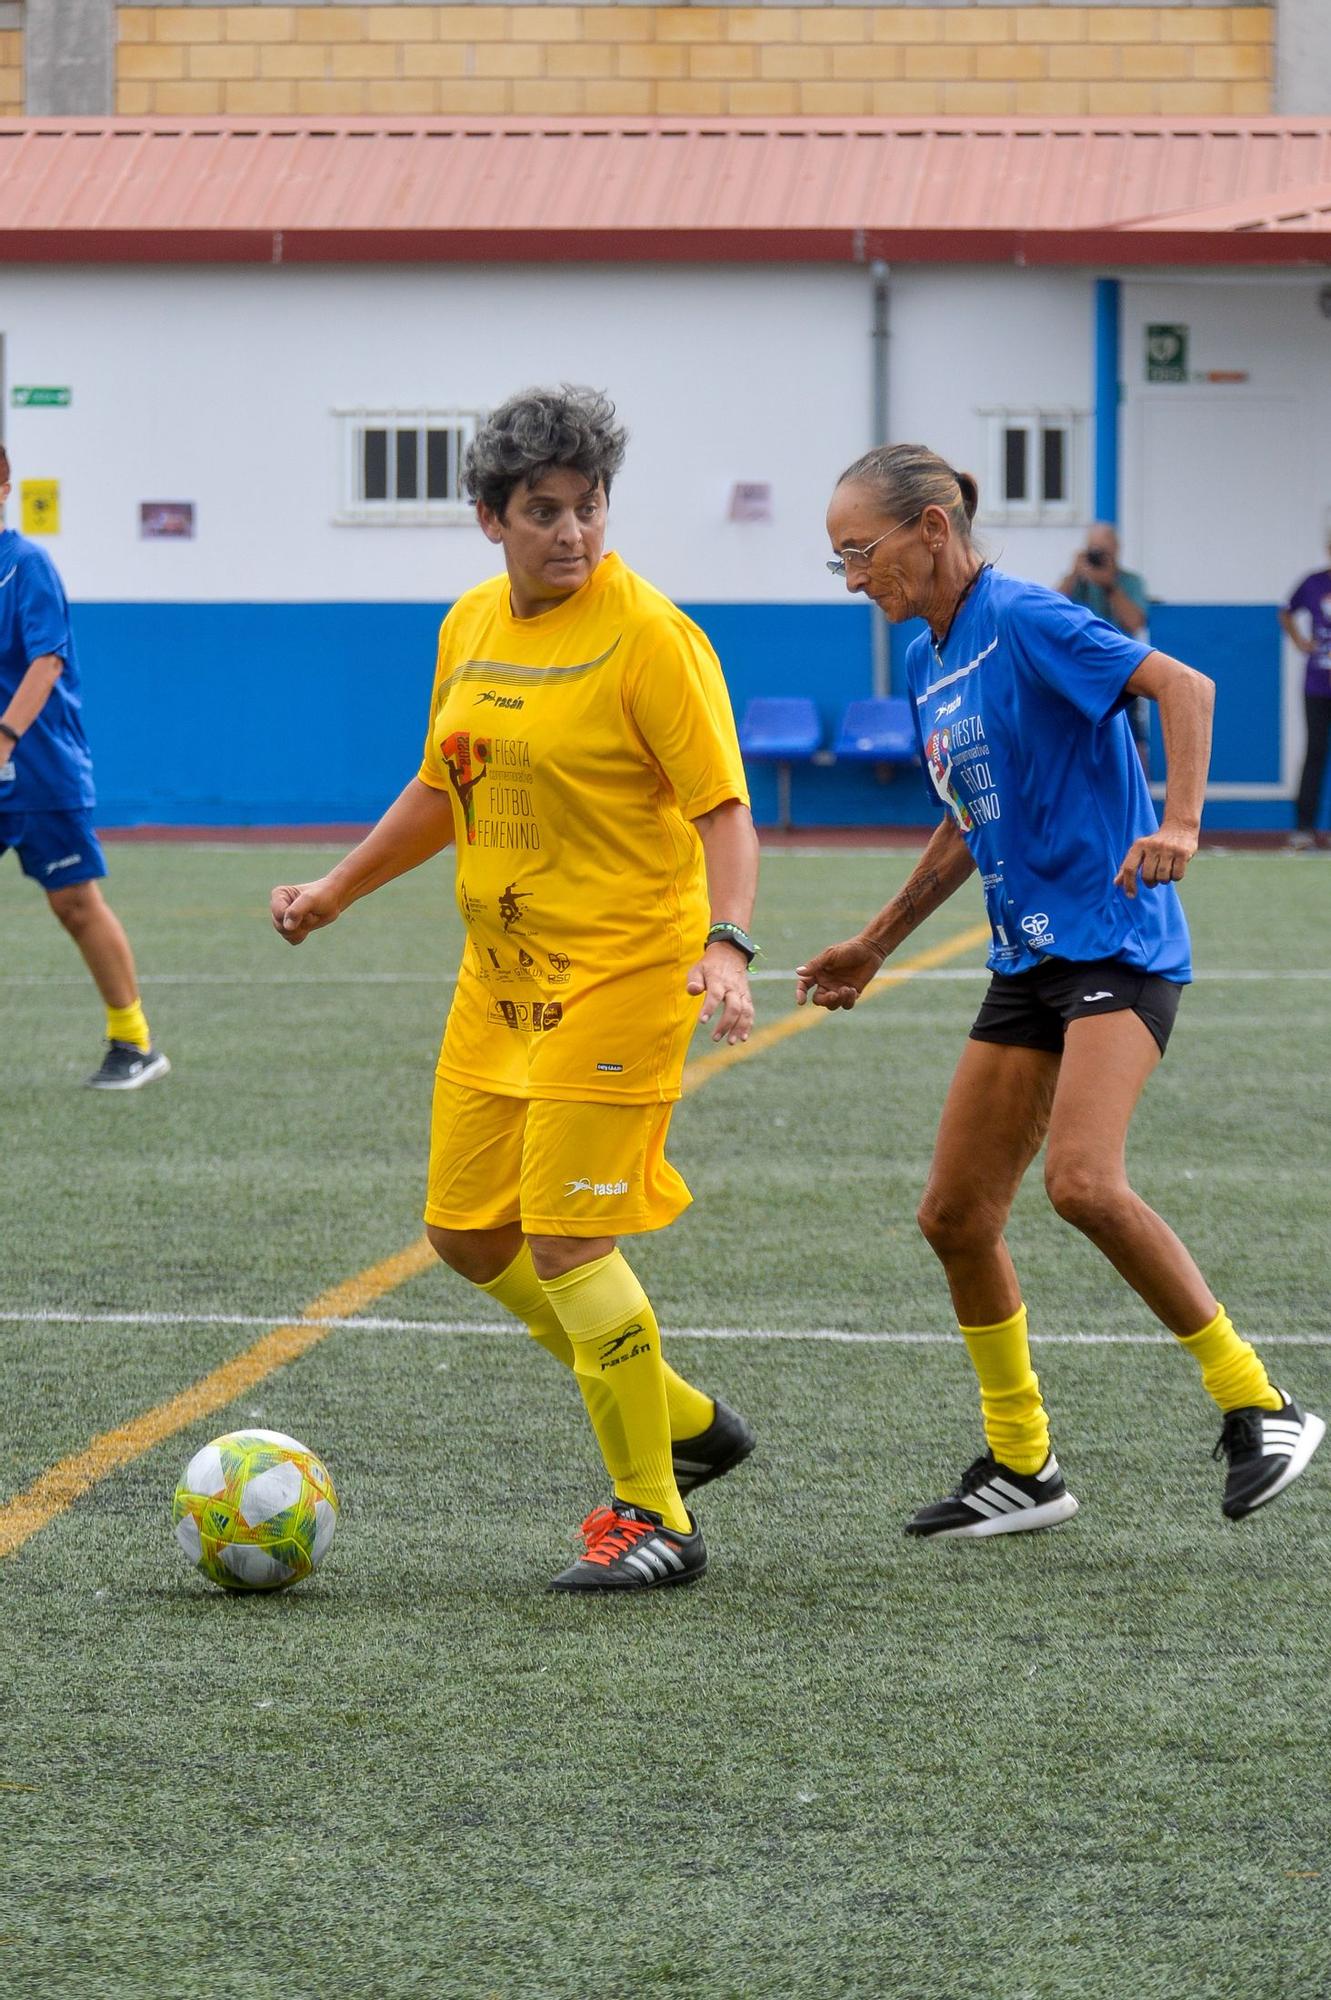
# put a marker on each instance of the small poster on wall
(166, 520)
(39, 503)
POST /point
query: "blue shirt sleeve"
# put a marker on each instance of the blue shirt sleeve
(43, 613)
(1075, 653)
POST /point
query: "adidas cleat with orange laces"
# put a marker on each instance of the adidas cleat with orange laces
(628, 1548)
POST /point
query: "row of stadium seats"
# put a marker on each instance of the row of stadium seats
(786, 730)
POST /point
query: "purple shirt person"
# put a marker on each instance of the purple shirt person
(1313, 597)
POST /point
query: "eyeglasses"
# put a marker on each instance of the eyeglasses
(837, 564)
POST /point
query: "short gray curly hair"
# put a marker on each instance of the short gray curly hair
(538, 429)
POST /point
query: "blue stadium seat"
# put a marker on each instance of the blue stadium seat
(878, 732)
(780, 730)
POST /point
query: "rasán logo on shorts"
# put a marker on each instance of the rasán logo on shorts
(595, 1187)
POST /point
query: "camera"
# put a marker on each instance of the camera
(1097, 559)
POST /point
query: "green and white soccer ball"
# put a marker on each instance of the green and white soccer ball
(255, 1510)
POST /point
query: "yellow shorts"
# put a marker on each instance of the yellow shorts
(560, 1168)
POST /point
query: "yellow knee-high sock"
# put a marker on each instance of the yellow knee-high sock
(617, 1360)
(128, 1024)
(1015, 1425)
(521, 1292)
(1232, 1372)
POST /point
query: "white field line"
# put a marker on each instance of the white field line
(765, 974)
(825, 1335)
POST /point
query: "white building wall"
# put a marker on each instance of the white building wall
(216, 386)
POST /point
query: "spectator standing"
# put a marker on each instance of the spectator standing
(1312, 596)
(1098, 581)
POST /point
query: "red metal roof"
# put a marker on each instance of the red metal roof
(1061, 191)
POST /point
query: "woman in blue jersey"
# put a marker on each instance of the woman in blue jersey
(47, 799)
(1020, 703)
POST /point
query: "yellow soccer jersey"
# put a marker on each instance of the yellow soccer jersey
(577, 746)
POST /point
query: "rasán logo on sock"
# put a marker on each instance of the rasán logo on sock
(611, 1354)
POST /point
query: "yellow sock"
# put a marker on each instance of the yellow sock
(128, 1024)
(521, 1292)
(1015, 1425)
(1232, 1372)
(617, 1360)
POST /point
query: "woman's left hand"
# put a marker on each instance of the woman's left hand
(1158, 858)
(722, 973)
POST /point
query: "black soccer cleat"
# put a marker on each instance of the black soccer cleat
(629, 1548)
(125, 1066)
(1265, 1449)
(992, 1499)
(725, 1443)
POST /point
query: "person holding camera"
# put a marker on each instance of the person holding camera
(1098, 581)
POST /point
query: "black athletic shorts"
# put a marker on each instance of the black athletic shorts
(1032, 1009)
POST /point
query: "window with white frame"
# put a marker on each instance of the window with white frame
(404, 467)
(1036, 465)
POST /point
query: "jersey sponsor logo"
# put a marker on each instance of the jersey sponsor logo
(65, 861)
(510, 905)
(500, 700)
(611, 1069)
(1036, 927)
(948, 708)
(529, 1017)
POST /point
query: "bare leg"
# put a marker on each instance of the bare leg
(1106, 1062)
(480, 1255)
(993, 1124)
(100, 936)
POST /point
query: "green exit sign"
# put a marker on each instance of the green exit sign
(41, 399)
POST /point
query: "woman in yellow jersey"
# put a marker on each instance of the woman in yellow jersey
(581, 756)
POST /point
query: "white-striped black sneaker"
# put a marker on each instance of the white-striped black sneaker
(1265, 1449)
(725, 1443)
(992, 1499)
(125, 1066)
(629, 1548)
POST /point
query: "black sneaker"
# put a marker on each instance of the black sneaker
(127, 1067)
(628, 1548)
(992, 1499)
(725, 1443)
(1265, 1449)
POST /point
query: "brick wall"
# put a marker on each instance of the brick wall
(11, 72)
(558, 61)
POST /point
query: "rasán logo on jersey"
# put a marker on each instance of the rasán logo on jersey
(499, 700)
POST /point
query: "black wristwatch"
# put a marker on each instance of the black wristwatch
(733, 934)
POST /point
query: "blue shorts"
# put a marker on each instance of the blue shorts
(55, 849)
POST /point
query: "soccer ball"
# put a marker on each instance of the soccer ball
(255, 1510)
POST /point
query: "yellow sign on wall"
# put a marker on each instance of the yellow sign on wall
(40, 503)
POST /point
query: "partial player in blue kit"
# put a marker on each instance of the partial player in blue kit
(47, 797)
(1019, 698)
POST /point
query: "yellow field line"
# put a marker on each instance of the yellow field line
(58, 1488)
(697, 1073)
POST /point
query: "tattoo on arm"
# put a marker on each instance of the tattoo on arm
(917, 900)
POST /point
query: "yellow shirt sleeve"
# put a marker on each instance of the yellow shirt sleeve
(432, 771)
(677, 697)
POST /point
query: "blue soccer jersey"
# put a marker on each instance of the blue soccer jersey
(1025, 741)
(52, 767)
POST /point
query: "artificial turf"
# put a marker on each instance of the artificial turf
(1080, 1766)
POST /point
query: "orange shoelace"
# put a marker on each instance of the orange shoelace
(607, 1535)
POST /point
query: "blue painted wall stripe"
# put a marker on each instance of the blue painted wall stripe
(290, 714)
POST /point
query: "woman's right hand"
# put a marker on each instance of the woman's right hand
(837, 976)
(298, 908)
